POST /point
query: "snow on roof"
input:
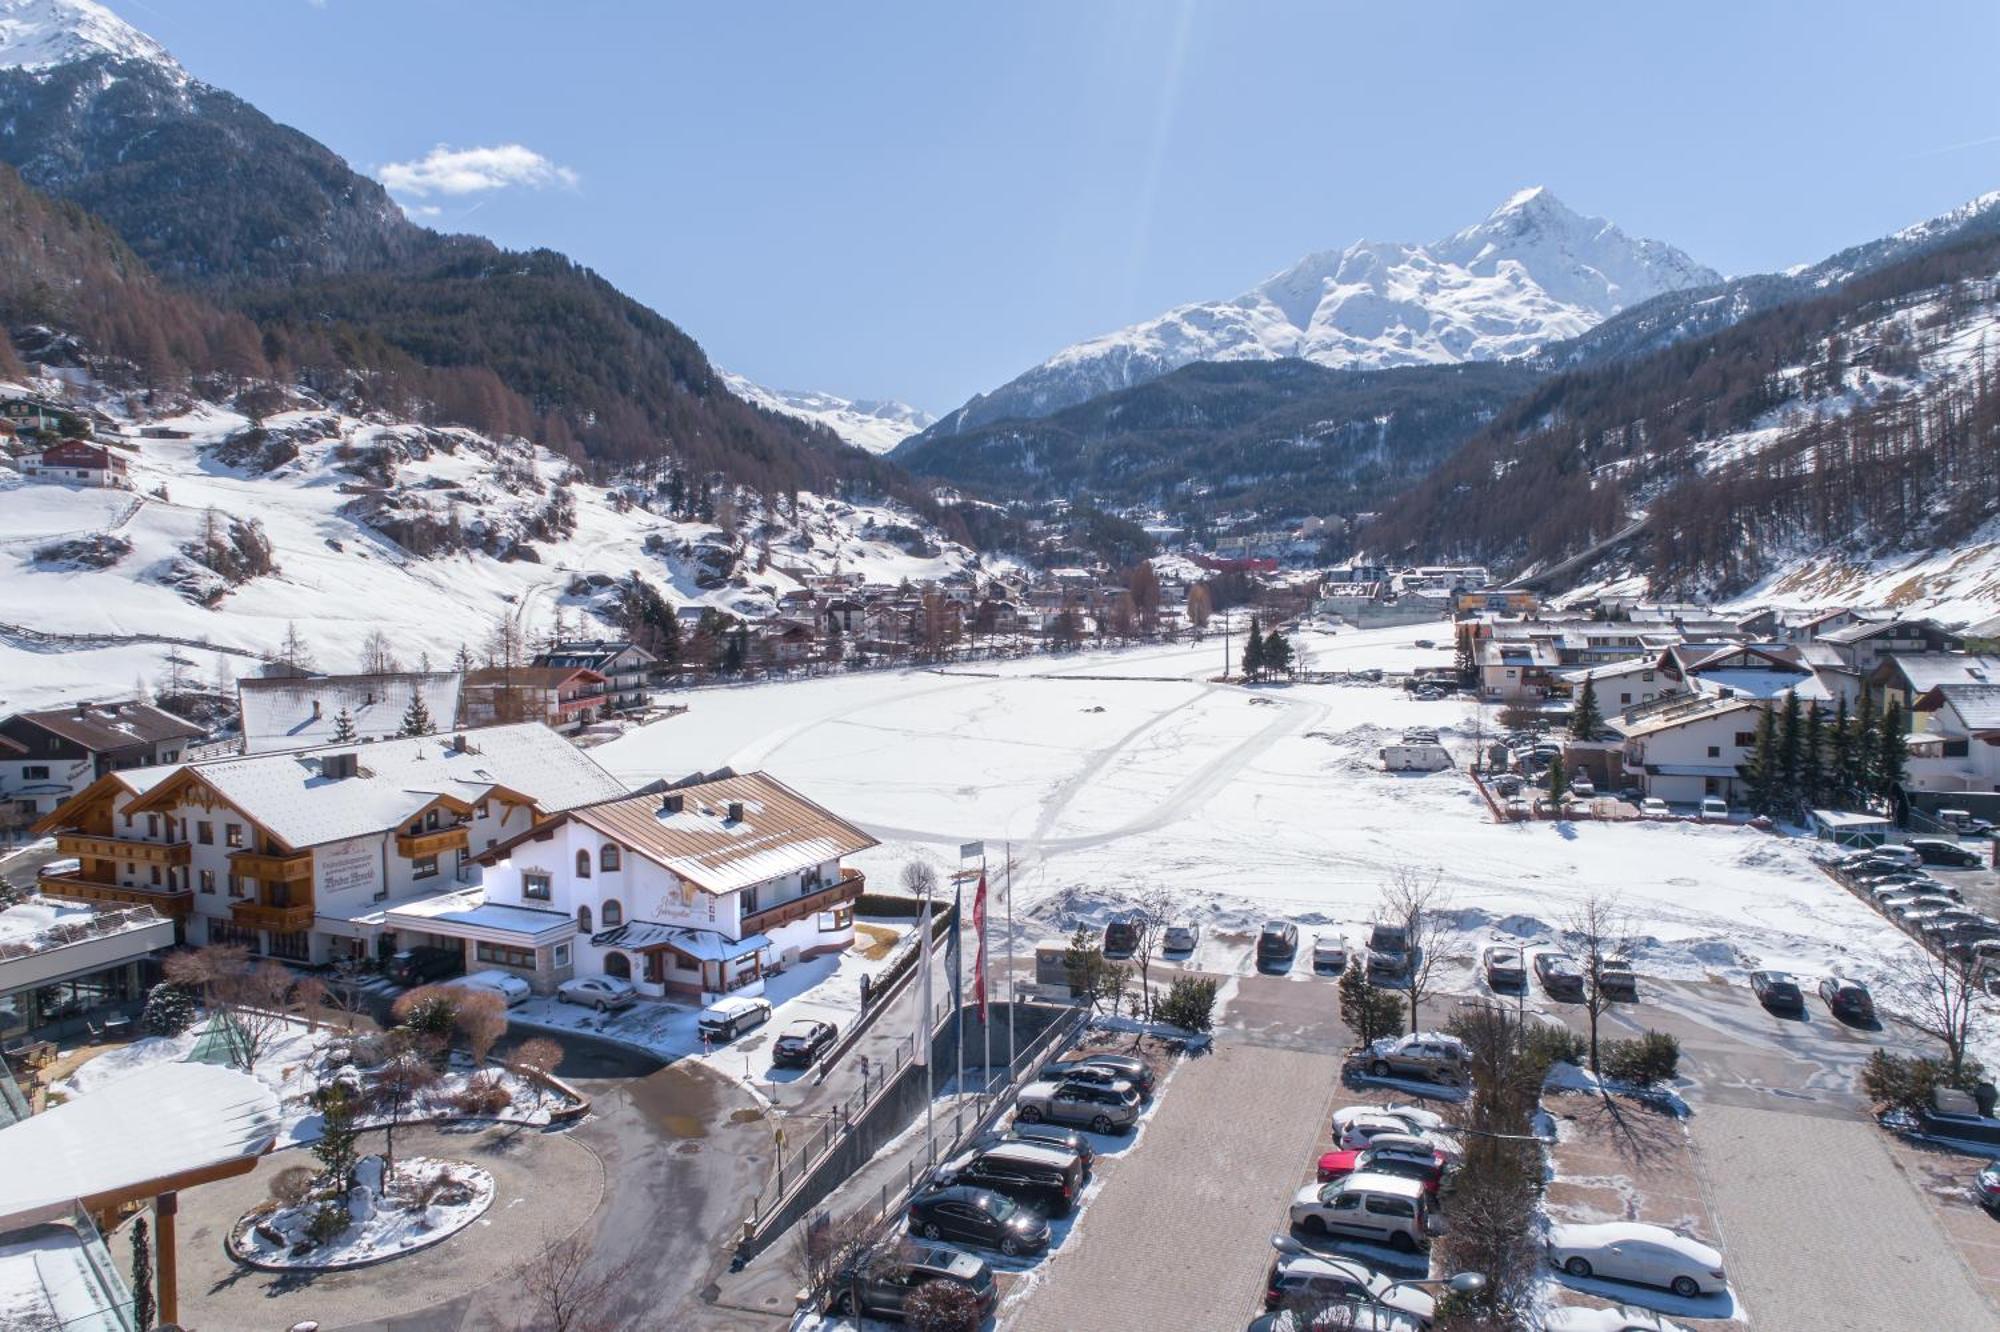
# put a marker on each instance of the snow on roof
(470, 908)
(1623, 666)
(1926, 671)
(195, 1116)
(702, 945)
(290, 795)
(1695, 709)
(300, 713)
(1568, 1233)
(781, 832)
(1977, 705)
(1752, 682)
(101, 727)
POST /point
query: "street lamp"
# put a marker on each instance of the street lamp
(1458, 1283)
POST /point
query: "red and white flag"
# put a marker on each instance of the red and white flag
(979, 958)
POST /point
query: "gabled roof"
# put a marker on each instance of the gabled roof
(1924, 671)
(781, 832)
(1698, 708)
(278, 712)
(1977, 705)
(529, 677)
(105, 727)
(596, 653)
(1866, 629)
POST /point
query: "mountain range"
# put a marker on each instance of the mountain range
(877, 425)
(1532, 273)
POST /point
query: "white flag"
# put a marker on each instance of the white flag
(921, 1052)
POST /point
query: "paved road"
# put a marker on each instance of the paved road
(1209, 1181)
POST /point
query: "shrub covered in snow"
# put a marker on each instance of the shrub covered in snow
(169, 1010)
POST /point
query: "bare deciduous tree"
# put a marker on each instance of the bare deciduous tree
(482, 1021)
(246, 995)
(567, 1294)
(1936, 996)
(1601, 930)
(1151, 916)
(920, 878)
(309, 996)
(823, 1247)
(535, 1060)
(1417, 900)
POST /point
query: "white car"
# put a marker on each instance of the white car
(1180, 938)
(505, 984)
(1634, 1251)
(1652, 807)
(1618, 1318)
(1416, 1117)
(602, 993)
(1329, 953)
(1307, 1279)
(1714, 809)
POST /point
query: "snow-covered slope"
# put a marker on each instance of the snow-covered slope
(101, 584)
(866, 423)
(40, 34)
(1532, 273)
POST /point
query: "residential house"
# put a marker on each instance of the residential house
(563, 698)
(1623, 684)
(48, 756)
(844, 615)
(1863, 644)
(1956, 746)
(77, 462)
(1901, 679)
(301, 712)
(1684, 747)
(1747, 670)
(1517, 672)
(784, 642)
(697, 892)
(299, 854)
(625, 666)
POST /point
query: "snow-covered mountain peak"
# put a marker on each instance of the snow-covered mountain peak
(40, 34)
(874, 424)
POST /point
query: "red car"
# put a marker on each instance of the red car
(1428, 1167)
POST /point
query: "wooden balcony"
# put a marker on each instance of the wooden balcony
(411, 845)
(847, 888)
(294, 868)
(129, 849)
(277, 919)
(73, 887)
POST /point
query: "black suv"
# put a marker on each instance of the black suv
(1041, 1175)
(881, 1285)
(1277, 942)
(416, 966)
(1122, 1068)
(1121, 938)
(802, 1043)
(1044, 1135)
(1938, 851)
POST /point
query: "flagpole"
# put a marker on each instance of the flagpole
(985, 1018)
(922, 1046)
(958, 975)
(1012, 1051)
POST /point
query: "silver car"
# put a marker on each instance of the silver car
(1180, 938)
(1101, 1109)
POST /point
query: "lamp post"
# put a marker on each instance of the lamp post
(1458, 1283)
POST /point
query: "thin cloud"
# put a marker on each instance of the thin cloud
(461, 171)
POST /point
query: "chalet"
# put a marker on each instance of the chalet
(563, 698)
(1517, 672)
(785, 642)
(1746, 670)
(1683, 748)
(696, 892)
(625, 667)
(1623, 684)
(299, 854)
(77, 462)
(47, 757)
(27, 416)
(845, 615)
(1956, 745)
(1901, 679)
(1862, 645)
(301, 712)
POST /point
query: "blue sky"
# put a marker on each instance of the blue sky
(919, 200)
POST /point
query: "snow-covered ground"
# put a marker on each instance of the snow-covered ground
(382, 1227)
(1117, 773)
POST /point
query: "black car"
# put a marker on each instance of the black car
(802, 1043)
(1778, 991)
(1847, 999)
(880, 1285)
(1119, 1068)
(978, 1216)
(1938, 851)
(1121, 938)
(1559, 975)
(1042, 1175)
(1277, 942)
(1047, 1135)
(417, 966)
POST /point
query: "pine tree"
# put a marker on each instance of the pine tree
(1558, 780)
(1812, 758)
(1466, 661)
(1791, 747)
(1840, 754)
(1867, 742)
(335, 1146)
(1892, 760)
(417, 717)
(142, 1275)
(1277, 654)
(1764, 765)
(343, 727)
(1253, 652)
(1585, 719)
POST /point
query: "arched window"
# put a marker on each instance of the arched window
(607, 859)
(583, 864)
(617, 964)
(583, 920)
(613, 914)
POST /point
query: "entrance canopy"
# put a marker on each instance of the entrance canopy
(164, 1127)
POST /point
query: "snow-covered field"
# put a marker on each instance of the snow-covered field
(1116, 773)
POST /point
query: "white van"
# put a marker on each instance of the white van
(726, 1019)
(1381, 1209)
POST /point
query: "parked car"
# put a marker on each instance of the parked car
(1618, 1318)
(508, 986)
(1634, 1251)
(1616, 979)
(803, 1043)
(1889, 854)
(1987, 1185)
(1962, 822)
(1714, 809)
(1504, 968)
(726, 1019)
(1125, 1068)
(1388, 951)
(1337, 1318)
(1180, 938)
(1582, 788)
(1847, 999)
(878, 1287)
(1050, 1135)
(1652, 807)
(1378, 1129)
(602, 993)
(1306, 1280)
(1413, 1159)
(1382, 1209)
(1121, 938)
(1777, 991)
(1330, 954)
(977, 1216)
(1430, 1055)
(1042, 1176)
(1277, 943)
(418, 966)
(1559, 974)
(1100, 1109)
(1415, 1117)
(1938, 851)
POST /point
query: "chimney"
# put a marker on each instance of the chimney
(671, 802)
(316, 710)
(83, 709)
(736, 811)
(338, 767)
(458, 743)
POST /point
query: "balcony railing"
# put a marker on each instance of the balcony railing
(277, 919)
(130, 849)
(73, 887)
(273, 867)
(411, 845)
(847, 888)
